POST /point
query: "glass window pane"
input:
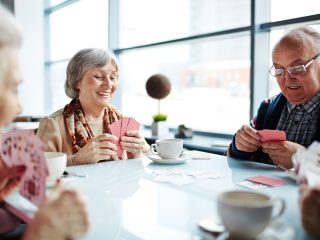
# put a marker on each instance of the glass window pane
(55, 94)
(145, 21)
(80, 25)
(209, 78)
(286, 9)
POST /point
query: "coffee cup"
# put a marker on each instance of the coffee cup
(56, 163)
(167, 148)
(246, 214)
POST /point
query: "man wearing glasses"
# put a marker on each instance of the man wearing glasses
(295, 110)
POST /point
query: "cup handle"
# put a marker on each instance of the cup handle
(281, 203)
(154, 148)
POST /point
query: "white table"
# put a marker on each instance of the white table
(125, 203)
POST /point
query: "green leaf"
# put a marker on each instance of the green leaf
(159, 117)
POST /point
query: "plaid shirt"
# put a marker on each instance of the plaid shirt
(300, 121)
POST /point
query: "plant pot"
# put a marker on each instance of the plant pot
(159, 128)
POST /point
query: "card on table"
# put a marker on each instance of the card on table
(252, 185)
(269, 181)
(22, 147)
(119, 129)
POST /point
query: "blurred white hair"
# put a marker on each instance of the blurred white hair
(10, 37)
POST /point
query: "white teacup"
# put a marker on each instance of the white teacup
(56, 163)
(167, 148)
(246, 214)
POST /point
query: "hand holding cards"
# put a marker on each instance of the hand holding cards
(22, 147)
(119, 129)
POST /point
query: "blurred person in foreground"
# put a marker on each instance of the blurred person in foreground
(81, 128)
(63, 214)
(310, 209)
(295, 110)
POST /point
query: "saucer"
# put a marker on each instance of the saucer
(157, 159)
(276, 230)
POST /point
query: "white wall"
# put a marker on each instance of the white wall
(30, 16)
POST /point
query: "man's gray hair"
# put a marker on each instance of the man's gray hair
(302, 37)
(10, 36)
(81, 62)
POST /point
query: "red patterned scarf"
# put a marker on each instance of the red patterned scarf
(78, 126)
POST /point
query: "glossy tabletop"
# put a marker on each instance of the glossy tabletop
(125, 202)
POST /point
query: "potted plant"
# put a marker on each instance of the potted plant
(158, 86)
(159, 125)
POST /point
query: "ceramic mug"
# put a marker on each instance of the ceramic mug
(56, 163)
(246, 214)
(168, 148)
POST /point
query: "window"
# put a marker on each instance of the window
(210, 76)
(81, 24)
(216, 59)
(209, 83)
(144, 21)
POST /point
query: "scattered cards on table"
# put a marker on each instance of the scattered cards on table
(267, 135)
(119, 129)
(22, 147)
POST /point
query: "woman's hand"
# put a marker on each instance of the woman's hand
(99, 148)
(134, 144)
(310, 209)
(281, 152)
(9, 179)
(62, 215)
(247, 139)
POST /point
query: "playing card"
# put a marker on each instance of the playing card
(6, 148)
(22, 147)
(115, 128)
(34, 180)
(21, 140)
(269, 181)
(252, 185)
(272, 135)
(124, 125)
(133, 125)
(119, 129)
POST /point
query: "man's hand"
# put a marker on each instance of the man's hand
(281, 152)
(247, 139)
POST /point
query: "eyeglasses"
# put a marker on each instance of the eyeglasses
(294, 70)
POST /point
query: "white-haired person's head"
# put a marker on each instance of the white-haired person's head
(10, 75)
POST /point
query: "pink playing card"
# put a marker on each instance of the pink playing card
(272, 135)
(22, 147)
(124, 125)
(115, 128)
(6, 148)
(269, 181)
(133, 125)
(34, 180)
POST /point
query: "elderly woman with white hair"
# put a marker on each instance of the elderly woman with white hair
(63, 214)
(81, 129)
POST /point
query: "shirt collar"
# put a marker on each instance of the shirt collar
(308, 106)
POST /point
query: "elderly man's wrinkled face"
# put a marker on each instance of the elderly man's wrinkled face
(9, 100)
(297, 89)
(98, 85)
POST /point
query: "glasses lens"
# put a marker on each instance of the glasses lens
(276, 72)
(297, 70)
